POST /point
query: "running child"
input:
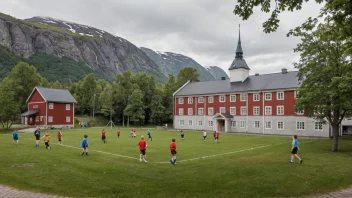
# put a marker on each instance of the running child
(103, 136)
(85, 145)
(182, 135)
(46, 138)
(217, 134)
(118, 133)
(59, 135)
(37, 137)
(131, 133)
(214, 135)
(149, 135)
(204, 135)
(295, 149)
(142, 148)
(15, 137)
(134, 132)
(173, 151)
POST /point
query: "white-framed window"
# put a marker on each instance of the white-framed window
(256, 97)
(68, 107)
(300, 112)
(296, 94)
(200, 111)
(182, 122)
(37, 118)
(268, 125)
(280, 95)
(51, 105)
(280, 125)
(200, 123)
(233, 110)
(233, 124)
(68, 119)
(222, 110)
(243, 97)
(232, 98)
(256, 124)
(50, 118)
(210, 123)
(41, 118)
(190, 122)
(242, 124)
(268, 110)
(267, 96)
(256, 111)
(279, 110)
(318, 126)
(35, 106)
(222, 98)
(243, 110)
(180, 111)
(200, 99)
(210, 99)
(300, 126)
(30, 120)
(190, 100)
(180, 101)
(210, 111)
(190, 111)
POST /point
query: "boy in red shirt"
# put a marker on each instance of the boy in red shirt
(118, 133)
(59, 135)
(173, 151)
(217, 136)
(103, 136)
(142, 147)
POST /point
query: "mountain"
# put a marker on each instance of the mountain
(89, 47)
(217, 72)
(172, 63)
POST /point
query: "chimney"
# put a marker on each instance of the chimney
(256, 74)
(223, 78)
(284, 70)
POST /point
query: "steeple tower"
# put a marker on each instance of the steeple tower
(239, 69)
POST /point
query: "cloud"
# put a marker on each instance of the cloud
(205, 30)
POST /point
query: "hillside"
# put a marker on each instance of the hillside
(217, 72)
(172, 63)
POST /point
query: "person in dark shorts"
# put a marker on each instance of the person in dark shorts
(182, 135)
(294, 150)
(217, 134)
(118, 133)
(149, 135)
(15, 137)
(37, 137)
(59, 135)
(173, 151)
(85, 145)
(103, 136)
(46, 138)
(142, 148)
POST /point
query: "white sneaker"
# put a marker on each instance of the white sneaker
(145, 161)
(140, 160)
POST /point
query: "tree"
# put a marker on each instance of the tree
(56, 85)
(170, 88)
(326, 74)
(107, 101)
(124, 87)
(9, 108)
(135, 107)
(157, 108)
(86, 94)
(186, 74)
(44, 82)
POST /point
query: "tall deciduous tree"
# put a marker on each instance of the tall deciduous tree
(157, 108)
(86, 94)
(187, 74)
(56, 85)
(170, 88)
(135, 107)
(326, 74)
(107, 100)
(9, 108)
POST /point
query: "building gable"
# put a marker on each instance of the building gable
(53, 95)
(35, 96)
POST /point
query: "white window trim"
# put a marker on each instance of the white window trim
(246, 110)
(222, 108)
(190, 98)
(200, 121)
(283, 95)
(212, 123)
(183, 123)
(202, 111)
(254, 124)
(179, 111)
(233, 108)
(52, 119)
(271, 125)
(277, 110)
(190, 121)
(211, 108)
(212, 99)
(256, 95)
(271, 110)
(231, 98)
(244, 126)
(179, 100)
(283, 125)
(68, 118)
(300, 113)
(258, 110)
(224, 98)
(241, 97)
(69, 107)
(51, 105)
(188, 111)
(315, 129)
(271, 96)
(233, 121)
(201, 101)
(304, 126)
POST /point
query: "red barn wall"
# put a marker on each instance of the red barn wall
(59, 114)
(37, 102)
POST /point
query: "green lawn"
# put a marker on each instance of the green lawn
(232, 168)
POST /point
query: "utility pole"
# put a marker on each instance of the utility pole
(94, 106)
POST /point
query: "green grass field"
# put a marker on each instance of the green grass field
(237, 166)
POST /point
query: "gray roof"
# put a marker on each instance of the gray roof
(226, 115)
(30, 112)
(56, 95)
(252, 83)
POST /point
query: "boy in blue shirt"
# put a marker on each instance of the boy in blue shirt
(150, 137)
(85, 145)
(295, 149)
(37, 137)
(15, 137)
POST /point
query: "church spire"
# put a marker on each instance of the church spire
(239, 52)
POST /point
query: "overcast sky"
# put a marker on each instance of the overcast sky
(205, 30)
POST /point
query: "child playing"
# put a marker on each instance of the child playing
(37, 137)
(182, 135)
(46, 138)
(118, 133)
(173, 151)
(217, 136)
(134, 132)
(15, 137)
(142, 148)
(103, 136)
(295, 149)
(214, 135)
(149, 136)
(131, 133)
(59, 135)
(204, 135)
(85, 145)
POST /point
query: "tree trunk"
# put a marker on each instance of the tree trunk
(335, 137)
(123, 120)
(128, 121)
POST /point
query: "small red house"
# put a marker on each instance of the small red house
(50, 108)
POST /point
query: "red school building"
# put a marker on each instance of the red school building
(50, 108)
